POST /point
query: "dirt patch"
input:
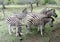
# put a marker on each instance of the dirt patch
(33, 38)
(53, 37)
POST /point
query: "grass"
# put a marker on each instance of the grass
(5, 37)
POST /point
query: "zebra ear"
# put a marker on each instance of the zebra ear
(47, 12)
(53, 10)
(24, 10)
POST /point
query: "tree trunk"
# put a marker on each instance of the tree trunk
(37, 4)
(3, 7)
(31, 7)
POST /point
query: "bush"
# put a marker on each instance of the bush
(52, 2)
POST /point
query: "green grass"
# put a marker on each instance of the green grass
(5, 37)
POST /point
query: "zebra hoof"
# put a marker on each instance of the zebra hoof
(51, 26)
(21, 39)
(42, 36)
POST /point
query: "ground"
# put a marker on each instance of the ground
(51, 34)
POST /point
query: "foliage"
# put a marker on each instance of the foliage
(7, 2)
(52, 2)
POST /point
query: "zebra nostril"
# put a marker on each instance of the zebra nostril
(56, 16)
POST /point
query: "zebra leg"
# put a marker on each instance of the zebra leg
(9, 29)
(17, 31)
(27, 29)
(12, 29)
(40, 28)
(20, 32)
(51, 21)
(51, 24)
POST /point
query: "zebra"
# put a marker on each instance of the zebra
(16, 21)
(40, 19)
